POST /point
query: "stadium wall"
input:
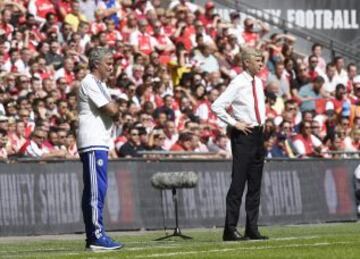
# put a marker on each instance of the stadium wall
(324, 20)
(44, 198)
(332, 18)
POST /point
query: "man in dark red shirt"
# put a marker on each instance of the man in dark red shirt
(184, 142)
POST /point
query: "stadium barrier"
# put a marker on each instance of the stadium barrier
(44, 197)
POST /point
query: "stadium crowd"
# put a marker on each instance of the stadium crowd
(170, 64)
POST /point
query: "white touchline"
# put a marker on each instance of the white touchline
(243, 248)
(154, 247)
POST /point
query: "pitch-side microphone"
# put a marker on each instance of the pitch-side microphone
(170, 180)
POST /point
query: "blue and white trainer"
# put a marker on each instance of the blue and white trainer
(103, 243)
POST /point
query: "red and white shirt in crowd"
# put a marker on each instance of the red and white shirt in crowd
(73, 150)
(170, 141)
(66, 6)
(16, 142)
(185, 38)
(17, 67)
(169, 30)
(338, 104)
(164, 41)
(112, 37)
(31, 149)
(119, 141)
(29, 128)
(206, 21)
(305, 146)
(126, 32)
(97, 27)
(204, 112)
(251, 38)
(7, 29)
(40, 8)
(143, 41)
(69, 76)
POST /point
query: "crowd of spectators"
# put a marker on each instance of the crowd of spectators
(171, 63)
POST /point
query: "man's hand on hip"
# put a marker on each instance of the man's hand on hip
(243, 126)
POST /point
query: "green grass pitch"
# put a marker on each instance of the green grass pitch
(338, 240)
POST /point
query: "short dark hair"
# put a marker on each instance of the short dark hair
(315, 45)
(185, 136)
(3, 132)
(339, 86)
(319, 80)
(337, 58)
(330, 64)
(302, 125)
(312, 56)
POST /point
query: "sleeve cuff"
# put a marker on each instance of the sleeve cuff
(232, 121)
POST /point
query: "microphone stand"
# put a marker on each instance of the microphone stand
(177, 231)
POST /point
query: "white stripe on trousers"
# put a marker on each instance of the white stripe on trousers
(94, 194)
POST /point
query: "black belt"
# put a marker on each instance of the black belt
(259, 127)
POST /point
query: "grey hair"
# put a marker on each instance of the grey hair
(247, 53)
(97, 55)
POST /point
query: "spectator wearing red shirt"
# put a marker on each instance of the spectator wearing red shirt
(98, 25)
(313, 70)
(306, 144)
(184, 29)
(184, 142)
(141, 9)
(167, 22)
(112, 35)
(17, 138)
(129, 27)
(5, 26)
(66, 71)
(340, 98)
(64, 8)
(203, 109)
(270, 101)
(141, 40)
(14, 64)
(40, 8)
(34, 147)
(251, 35)
(163, 42)
(52, 140)
(171, 135)
(207, 18)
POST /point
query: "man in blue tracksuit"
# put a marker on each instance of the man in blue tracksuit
(96, 113)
